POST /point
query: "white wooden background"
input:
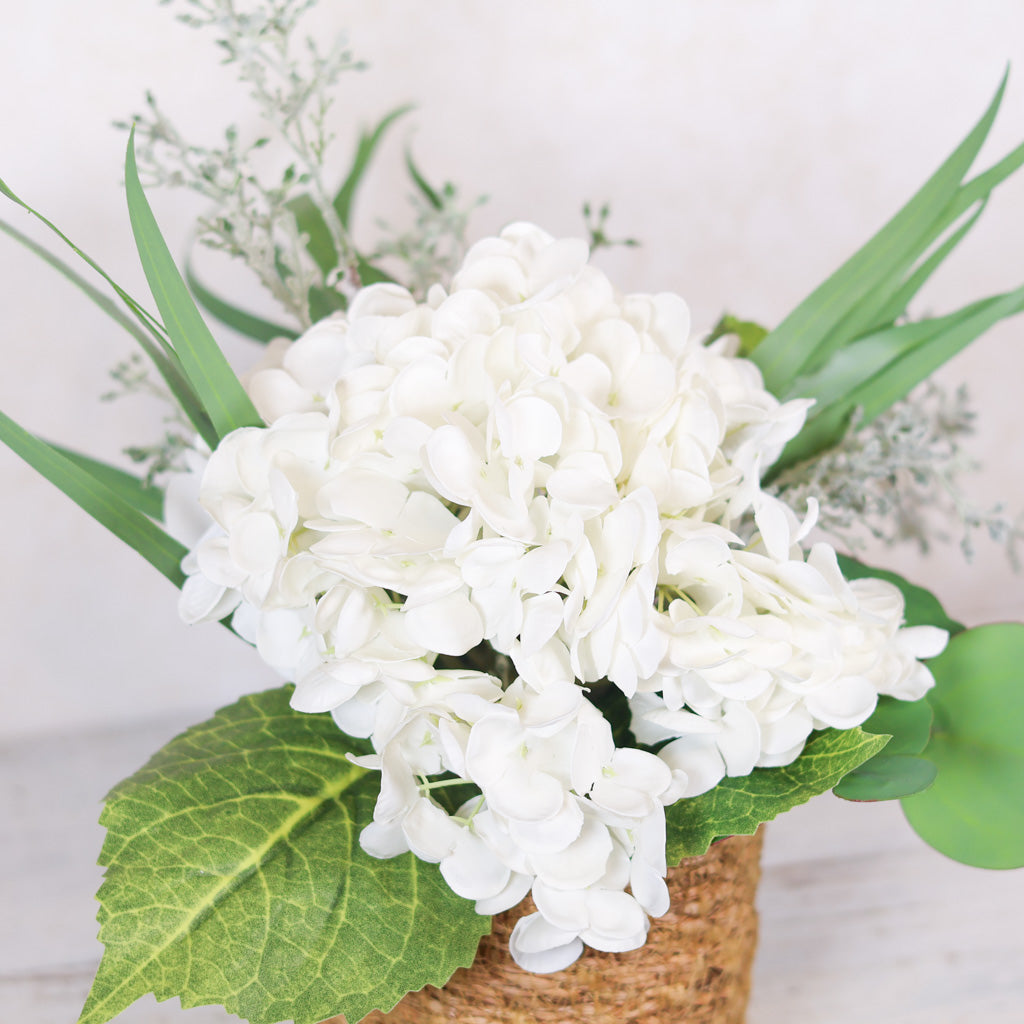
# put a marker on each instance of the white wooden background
(751, 145)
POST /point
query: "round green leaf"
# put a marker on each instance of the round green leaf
(887, 777)
(909, 723)
(974, 812)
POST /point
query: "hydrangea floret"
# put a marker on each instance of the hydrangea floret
(532, 465)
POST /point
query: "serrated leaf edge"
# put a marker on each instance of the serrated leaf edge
(94, 1013)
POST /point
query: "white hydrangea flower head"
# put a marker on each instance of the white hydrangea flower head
(468, 519)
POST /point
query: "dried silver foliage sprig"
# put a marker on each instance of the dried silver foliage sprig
(432, 248)
(292, 82)
(900, 476)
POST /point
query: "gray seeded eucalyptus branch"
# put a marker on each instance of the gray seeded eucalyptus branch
(132, 376)
(432, 249)
(287, 225)
(269, 218)
(293, 86)
(899, 476)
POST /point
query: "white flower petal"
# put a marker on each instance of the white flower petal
(513, 893)
(541, 948)
(473, 870)
(384, 840)
(449, 625)
(582, 862)
(616, 920)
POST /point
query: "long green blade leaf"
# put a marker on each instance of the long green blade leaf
(107, 507)
(163, 358)
(899, 359)
(103, 301)
(369, 274)
(974, 193)
(237, 319)
(876, 395)
(310, 221)
(323, 302)
(890, 299)
(368, 144)
(860, 361)
(222, 396)
(428, 193)
(148, 499)
(145, 318)
(806, 336)
(897, 301)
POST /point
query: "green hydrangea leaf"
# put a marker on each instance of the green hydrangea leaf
(974, 812)
(736, 806)
(235, 876)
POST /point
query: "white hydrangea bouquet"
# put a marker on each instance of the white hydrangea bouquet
(550, 623)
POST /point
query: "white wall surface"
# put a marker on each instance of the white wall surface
(750, 144)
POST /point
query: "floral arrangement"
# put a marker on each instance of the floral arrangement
(536, 561)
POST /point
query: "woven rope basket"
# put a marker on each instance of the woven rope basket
(695, 967)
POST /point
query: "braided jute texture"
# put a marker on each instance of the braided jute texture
(694, 969)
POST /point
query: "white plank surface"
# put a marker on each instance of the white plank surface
(860, 921)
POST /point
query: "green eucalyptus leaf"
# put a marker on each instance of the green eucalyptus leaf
(887, 777)
(214, 382)
(237, 319)
(106, 504)
(921, 607)
(736, 806)
(234, 876)
(908, 722)
(896, 771)
(368, 143)
(974, 812)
